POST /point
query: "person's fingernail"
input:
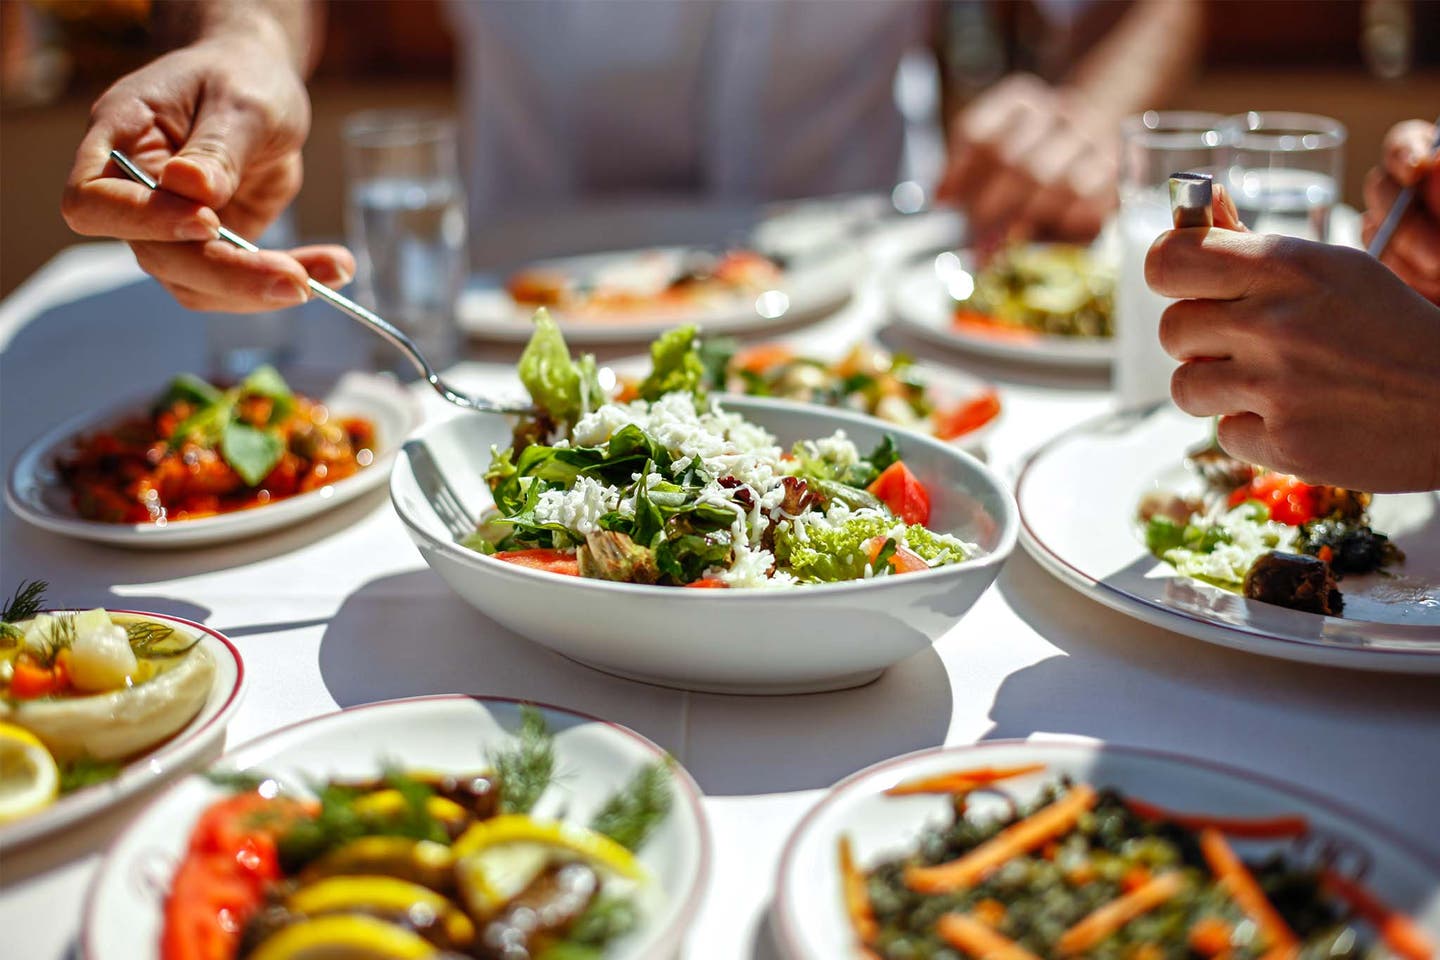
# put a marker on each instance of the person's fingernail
(195, 230)
(286, 291)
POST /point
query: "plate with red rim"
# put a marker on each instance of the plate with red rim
(809, 911)
(184, 750)
(921, 302)
(1079, 495)
(816, 287)
(123, 915)
(36, 494)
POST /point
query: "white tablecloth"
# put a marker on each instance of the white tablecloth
(342, 611)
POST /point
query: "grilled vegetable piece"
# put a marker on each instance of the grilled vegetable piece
(610, 555)
(549, 905)
(424, 862)
(1348, 546)
(1296, 581)
(1218, 469)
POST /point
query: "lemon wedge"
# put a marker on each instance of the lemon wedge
(354, 937)
(497, 858)
(29, 779)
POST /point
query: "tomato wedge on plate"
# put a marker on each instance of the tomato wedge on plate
(551, 561)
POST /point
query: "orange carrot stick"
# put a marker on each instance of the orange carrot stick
(1233, 875)
(1018, 838)
(857, 898)
(1209, 936)
(1399, 932)
(961, 781)
(1108, 918)
(964, 932)
(1258, 828)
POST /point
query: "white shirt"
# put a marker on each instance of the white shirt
(739, 99)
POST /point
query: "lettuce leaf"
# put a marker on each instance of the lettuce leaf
(835, 554)
(675, 365)
(563, 388)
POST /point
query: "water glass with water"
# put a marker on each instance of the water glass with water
(405, 220)
(1283, 170)
(240, 342)
(1154, 145)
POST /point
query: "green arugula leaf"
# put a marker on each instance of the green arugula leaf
(252, 453)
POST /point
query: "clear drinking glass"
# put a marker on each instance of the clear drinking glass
(405, 220)
(1284, 170)
(1154, 145)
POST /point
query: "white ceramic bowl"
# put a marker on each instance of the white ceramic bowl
(37, 495)
(819, 637)
(123, 912)
(180, 752)
(810, 921)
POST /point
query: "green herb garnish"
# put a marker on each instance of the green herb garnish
(251, 450)
(636, 809)
(239, 781)
(26, 602)
(85, 772)
(525, 770)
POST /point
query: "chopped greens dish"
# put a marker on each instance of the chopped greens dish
(416, 864)
(1269, 535)
(670, 489)
(868, 379)
(1039, 288)
(202, 450)
(1089, 872)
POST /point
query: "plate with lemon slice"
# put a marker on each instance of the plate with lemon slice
(96, 705)
(431, 827)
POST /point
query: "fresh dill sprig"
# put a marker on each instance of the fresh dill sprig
(239, 781)
(28, 599)
(605, 919)
(525, 771)
(147, 640)
(637, 808)
(85, 772)
(61, 637)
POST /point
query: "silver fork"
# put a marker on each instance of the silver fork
(437, 490)
(345, 305)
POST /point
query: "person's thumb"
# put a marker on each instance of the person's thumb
(208, 168)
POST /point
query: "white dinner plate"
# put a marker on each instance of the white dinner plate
(819, 286)
(176, 754)
(1078, 497)
(36, 494)
(810, 916)
(123, 911)
(946, 386)
(921, 303)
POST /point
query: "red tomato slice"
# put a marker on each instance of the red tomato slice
(966, 417)
(707, 583)
(901, 561)
(551, 561)
(898, 489)
(1289, 499)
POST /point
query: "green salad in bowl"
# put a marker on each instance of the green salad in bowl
(670, 489)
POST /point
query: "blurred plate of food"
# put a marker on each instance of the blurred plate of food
(946, 403)
(1050, 304)
(1139, 510)
(97, 705)
(634, 295)
(436, 826)
(1039, 849)
(199, 463)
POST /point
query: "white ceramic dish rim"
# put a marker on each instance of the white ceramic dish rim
(683, 919)
(791, 941)
(1235, 635)
(1049, 350)
(236, 524)
(1008, 523)
(173, 755)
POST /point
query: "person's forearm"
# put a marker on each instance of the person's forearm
(289, 25)
(1144, 60)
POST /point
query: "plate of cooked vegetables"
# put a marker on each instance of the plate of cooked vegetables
(1032, 850)
(947, 404)
(630, 295)
(801, 547)
(446, 826)
(1052, 304)
(199, 462)
(1143, 511)
(96, 705)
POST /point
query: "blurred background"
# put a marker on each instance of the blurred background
(1367, 63)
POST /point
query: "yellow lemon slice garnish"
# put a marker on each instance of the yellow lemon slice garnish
(29, 778)
(351, 936)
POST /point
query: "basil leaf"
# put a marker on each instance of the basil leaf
(265, 381)
(252, 453)
(190, 388)
(205, 426)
